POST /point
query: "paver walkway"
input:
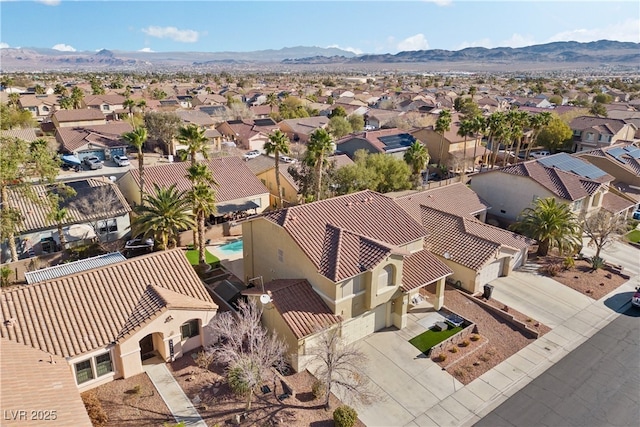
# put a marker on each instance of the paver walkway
(173, 395)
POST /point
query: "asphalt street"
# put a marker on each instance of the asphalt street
(597, 384)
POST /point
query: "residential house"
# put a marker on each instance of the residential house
(218, 113)
(40, 106)
(248, 135)
(98, 211)
(263, 111)
(595, 132)
(104, 322)
(393, 142)
(297, 313)
(477, 253)
(377, 119)
(263, 167)
(32, 378)
(80, 117)
(300, 130)
(622, 161)
(568, 179)
(361, 253)
(24, 134)
(196, 117)
(237, 190)
(109, 105)
(450, 149)
(102, 141)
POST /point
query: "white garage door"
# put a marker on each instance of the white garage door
(517, 259)
(490, 272)
(364, 325)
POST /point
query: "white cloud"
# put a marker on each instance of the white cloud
(49, 2)
(4, 45)
(348, 49)
(486, 42)
(417, 42)
(626, 31)
(184, 36)
(64, 47)
(145, 49)
(517, 40)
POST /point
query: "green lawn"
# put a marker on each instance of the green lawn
(634, 236)
(428, 339)
(192, 256)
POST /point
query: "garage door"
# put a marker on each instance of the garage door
(364, 325)
(490, 272)
(517, 259)
(97, 153)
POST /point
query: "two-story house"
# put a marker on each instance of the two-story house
(595, 132)
(248, 135)
(110, 105)
(393, 142)
(300, 130)
(40, 106)
(79, 117)
(361, 253)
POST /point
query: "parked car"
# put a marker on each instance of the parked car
(539, 154)
(287, 159)
(635, 299)
(121, 160)
(92, 162)
(251, 154)
(636, 215)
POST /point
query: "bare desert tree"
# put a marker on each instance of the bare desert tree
(247, 349)
(602, 229)
(341, 369)
(99, 201)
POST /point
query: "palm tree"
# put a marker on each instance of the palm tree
(14, 99)
(272, 101)
(203, 203)
(77, 95)
(537, 122)
(319, 146)
(278, 144)
(478, 127)
(142, 104)
(515, 122)
(136, 139)
(417, 157)
(552, 224)
(443, 124)
(163, 215)
(193, 137)
(523, 120)
(466, 127)
(496, 123)
(129, 104)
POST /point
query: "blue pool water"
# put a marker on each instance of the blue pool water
(231, 248)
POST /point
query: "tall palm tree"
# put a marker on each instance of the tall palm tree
(551, 223)
(203, 203)
(278, 144)
(443, 124)
(523, 120)
(142, 104)
(478, 128)
(14, 99)
(417, 157)
(466, 127)
(136, 139)
(319, 146)
(537, 122)
(515, 122)
(129, 104)
(193, 137)
(272, 101)
(496, 124)
(77, 95)
(163, 215)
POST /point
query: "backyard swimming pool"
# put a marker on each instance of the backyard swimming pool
(231, 248)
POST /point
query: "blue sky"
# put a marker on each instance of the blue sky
(359, 26)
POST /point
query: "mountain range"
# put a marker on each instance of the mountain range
(550, 55)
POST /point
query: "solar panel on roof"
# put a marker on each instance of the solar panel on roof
(394, 142)
(567, 163)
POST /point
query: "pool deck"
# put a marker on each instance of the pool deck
(232, 262)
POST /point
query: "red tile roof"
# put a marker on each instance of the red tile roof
(455, 198)
(300, 306)
(78, 115)
(365, 224)
(75, 314)
(109, 135)
(615, 204)
(235, 180)
(33, 380)
(421, 268)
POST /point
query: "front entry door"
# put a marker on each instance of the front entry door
(146, 347)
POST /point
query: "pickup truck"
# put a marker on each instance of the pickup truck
(92, 162)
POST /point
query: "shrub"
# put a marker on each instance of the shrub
(453, 349)
(568, 263)
(5, 276)
(596, 262)
(135, 390)
(442, 357)
(552, 269)
(204, 359)
(237, 381)
(345, 416)
(96, 412)
(465, 343)
(475, 337)
(318, 389)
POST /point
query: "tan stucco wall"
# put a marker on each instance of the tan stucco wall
(79, 123)
(268, 178)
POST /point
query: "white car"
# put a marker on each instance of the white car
(286, 159)
(121, 160)
(539, 154)
(251, 154)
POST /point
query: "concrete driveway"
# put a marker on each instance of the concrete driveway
(618, 253)
(408, 383)
(539, 297)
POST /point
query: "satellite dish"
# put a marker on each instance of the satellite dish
(265, 299)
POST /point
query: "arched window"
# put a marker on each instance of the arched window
(386, 276)
(190, 329)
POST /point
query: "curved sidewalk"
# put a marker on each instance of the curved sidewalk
(178, 403)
